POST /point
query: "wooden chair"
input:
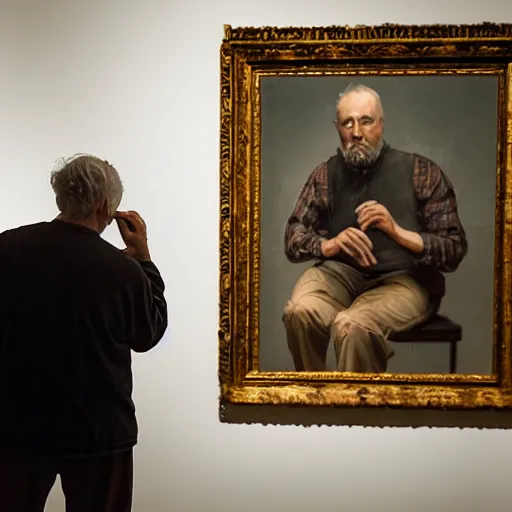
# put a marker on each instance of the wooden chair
(437, 329)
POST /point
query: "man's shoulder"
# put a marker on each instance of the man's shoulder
(24, 230)
(319, 172)
(110, 253)
(324, 164)
(418, 158)
(396, 153)
(108, 261)
(328, 163)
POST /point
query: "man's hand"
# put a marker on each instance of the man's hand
(372, 213)
(133, 230)
(353, 242)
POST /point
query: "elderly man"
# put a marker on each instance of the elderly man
(382, 226)
(72, 308)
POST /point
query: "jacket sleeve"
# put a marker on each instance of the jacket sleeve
(444, 238)
(306, 227)
(149, 316)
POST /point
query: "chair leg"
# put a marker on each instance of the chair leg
(453, 356)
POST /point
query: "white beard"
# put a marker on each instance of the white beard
(361, 158)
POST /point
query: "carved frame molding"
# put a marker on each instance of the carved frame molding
(246, 55)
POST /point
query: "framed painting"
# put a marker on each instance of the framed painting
(366, 223)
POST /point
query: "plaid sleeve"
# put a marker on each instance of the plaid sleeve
(445, 242)
(306, 227)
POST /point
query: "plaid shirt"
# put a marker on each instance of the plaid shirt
(445, 243)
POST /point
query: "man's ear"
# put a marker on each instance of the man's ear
(102, 211)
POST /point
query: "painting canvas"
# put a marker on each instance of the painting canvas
(450, 121)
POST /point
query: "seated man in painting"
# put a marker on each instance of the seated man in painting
(382, 226)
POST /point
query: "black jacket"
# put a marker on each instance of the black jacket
(72, 307)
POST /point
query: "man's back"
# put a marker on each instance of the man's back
(72, 308)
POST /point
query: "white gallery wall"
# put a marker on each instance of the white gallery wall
(137, 82)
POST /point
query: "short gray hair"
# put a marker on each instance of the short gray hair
(83, 181)
(360, 88)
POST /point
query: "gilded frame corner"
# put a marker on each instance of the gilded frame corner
(247, 54)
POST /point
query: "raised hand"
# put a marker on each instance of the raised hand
(133, 230)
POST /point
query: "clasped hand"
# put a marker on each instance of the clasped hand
(372, 213)
(354, 241)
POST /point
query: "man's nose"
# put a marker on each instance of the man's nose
(356, 132)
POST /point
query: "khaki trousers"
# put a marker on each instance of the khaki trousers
(334, 303)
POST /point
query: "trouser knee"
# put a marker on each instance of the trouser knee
(296, 312)
(353, 331)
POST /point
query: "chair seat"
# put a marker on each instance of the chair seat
(437, 328)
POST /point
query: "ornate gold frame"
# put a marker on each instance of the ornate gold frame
(247, 54)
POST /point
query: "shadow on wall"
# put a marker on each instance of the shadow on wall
(308, 416)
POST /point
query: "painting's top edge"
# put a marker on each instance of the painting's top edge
(484, 30)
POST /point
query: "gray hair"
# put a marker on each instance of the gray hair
(83, 181)
(360, 88)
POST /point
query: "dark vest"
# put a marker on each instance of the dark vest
(390, 183)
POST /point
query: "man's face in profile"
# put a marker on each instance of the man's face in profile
(360, 126)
